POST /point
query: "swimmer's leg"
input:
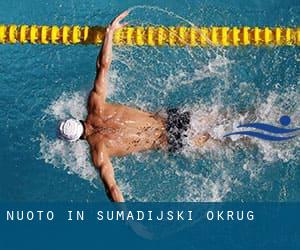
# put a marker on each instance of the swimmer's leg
(200, 140)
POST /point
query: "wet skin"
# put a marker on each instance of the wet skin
(123, 130)
(112, 129)
(118, 130)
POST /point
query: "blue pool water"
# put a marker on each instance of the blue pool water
(42, 84)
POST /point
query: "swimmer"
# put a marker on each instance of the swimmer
(114, 130)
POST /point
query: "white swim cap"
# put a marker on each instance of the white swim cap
(70, 130)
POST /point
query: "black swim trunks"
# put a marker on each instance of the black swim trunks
(177, 125)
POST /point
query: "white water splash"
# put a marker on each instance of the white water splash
(75, 159)
(218, 121)
(141, 176)
(68, 105)
(72, 157)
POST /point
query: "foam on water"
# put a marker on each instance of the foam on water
(200, 81)
(212, 186)
(73, 157)
(218, 120)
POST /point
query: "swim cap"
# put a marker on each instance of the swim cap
(70, 129)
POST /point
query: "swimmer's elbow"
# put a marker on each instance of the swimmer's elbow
(99, 163)
(105, 63)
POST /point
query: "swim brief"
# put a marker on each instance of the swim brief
(177, 125)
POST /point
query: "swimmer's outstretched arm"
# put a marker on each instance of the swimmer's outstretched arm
(103, 164)
(105, 56)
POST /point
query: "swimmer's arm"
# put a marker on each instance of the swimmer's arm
(103, 164)
(105, 56)
(103, 64)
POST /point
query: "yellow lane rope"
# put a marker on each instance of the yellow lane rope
(152, 35)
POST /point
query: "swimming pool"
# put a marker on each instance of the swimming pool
(42, 84)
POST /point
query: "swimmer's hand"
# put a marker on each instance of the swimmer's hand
(115, 24)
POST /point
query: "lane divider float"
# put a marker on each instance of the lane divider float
(152, 35)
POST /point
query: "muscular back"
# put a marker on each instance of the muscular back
(123, 129)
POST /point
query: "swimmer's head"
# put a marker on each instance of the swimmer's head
(70, 130)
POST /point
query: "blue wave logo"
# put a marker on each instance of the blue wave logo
(279, 133)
